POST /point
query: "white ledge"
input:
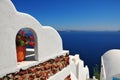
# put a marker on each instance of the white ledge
(29, 49)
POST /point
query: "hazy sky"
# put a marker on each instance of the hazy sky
(74, 14)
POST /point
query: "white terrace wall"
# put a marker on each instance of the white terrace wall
(78, 69)
(11, 21)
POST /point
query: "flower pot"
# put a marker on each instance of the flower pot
(21, 53)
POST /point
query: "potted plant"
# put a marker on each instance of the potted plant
(22, 40)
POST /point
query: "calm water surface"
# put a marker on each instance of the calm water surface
(90, 45)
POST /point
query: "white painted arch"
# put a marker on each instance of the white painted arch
(35, 50)
(49, 42)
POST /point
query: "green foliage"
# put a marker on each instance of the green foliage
(96, 72)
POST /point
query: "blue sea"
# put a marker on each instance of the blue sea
(90, 45)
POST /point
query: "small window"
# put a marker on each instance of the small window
(26, 45)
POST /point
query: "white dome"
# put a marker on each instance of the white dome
(111, 63)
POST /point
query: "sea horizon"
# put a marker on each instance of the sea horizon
(89, 30)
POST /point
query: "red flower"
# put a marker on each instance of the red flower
(22, 32)
(31, 38)
(31, 43)
(24, 39)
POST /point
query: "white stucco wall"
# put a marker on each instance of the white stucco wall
(110, 64)
(72, 76)
(73, 65)
(80, 71)
(49, 42)
(83, 72)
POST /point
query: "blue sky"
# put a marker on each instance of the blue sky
(74, 14)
